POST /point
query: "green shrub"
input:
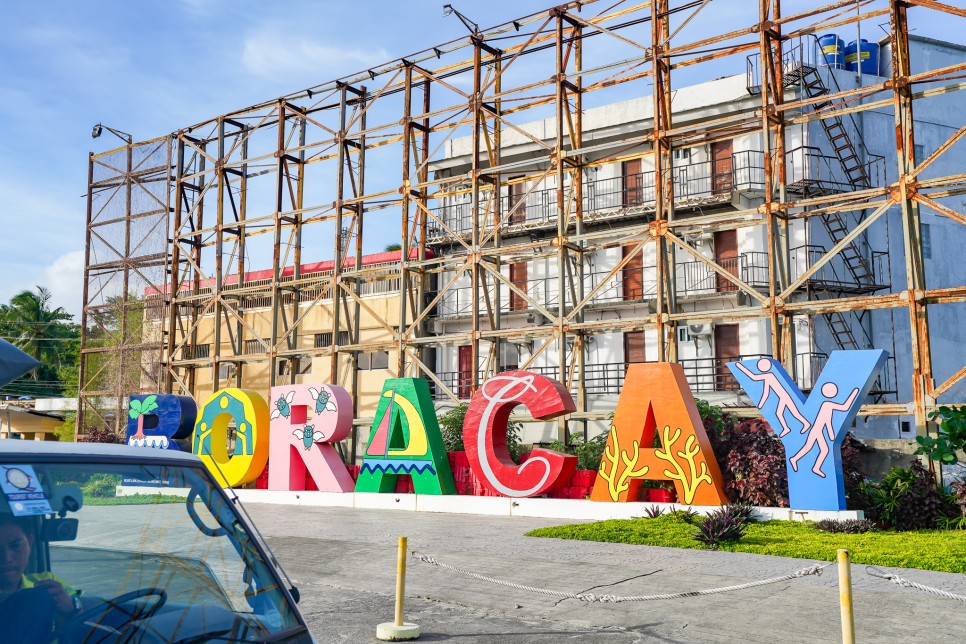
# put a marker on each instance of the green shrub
(907, 499)
(715, 420)
(65, 431)
(725, 525)
(687, 515)
(588, 452)
(101, 485)
(451, 427)
(846, 526)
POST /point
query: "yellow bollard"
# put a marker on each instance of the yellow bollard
(401, 579)
(399, 629)
(845, 597)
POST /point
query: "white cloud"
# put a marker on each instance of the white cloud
(272, 53)
(65, 279)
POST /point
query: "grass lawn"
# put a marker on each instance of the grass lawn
(133, 499)
(943, 550)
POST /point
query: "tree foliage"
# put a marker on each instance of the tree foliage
(48, 334)
(951, 435)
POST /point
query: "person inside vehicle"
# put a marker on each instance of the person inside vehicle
(30, 603)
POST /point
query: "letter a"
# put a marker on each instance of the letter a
(812, 429)
(656, 397)
(405, 439)
(484, 434)
(297, 442)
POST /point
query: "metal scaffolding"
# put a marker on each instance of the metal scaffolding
(271, 181)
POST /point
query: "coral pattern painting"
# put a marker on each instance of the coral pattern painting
(656, 400)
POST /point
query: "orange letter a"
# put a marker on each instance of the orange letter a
(656, 397)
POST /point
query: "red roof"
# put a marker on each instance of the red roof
(317, 267)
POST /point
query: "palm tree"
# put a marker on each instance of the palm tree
(30, 323)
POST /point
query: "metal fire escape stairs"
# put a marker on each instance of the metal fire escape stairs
(800, 70)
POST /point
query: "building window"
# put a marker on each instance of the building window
(682, 154)
(304, 366)
(380, 360)
(926, 242)
(324, 340)
(684, 334)
(253, 346)
(226, 371)
(196, 351)
(374, 361)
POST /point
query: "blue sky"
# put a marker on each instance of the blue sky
(150, 67)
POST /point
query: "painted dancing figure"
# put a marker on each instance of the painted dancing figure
(770, 383)
(823, 423)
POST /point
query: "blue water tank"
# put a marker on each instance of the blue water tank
(869, 52)
(831, 51)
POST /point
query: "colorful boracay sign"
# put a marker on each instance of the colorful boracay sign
(656, 433)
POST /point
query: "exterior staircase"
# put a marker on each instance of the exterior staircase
(801, 69)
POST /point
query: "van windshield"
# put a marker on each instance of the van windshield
(150, 552)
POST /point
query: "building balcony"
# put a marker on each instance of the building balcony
(692, 279)
(843, 274)
(809, 172)
(695, 184)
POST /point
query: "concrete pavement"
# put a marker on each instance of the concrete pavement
(343, 561)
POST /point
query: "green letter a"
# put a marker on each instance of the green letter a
(405, 439)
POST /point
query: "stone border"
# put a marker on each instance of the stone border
(576, 509)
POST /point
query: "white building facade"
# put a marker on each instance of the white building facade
(822, 157)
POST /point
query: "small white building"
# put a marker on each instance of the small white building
(822, 157)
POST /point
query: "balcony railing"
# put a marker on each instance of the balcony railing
(691, 278)
(704, 375)
(693, 182)
(834, 275)
(810, 172)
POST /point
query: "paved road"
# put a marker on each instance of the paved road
(343, 561)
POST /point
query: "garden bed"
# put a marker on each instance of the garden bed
(941, 550)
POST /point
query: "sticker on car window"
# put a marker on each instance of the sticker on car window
(23, 491)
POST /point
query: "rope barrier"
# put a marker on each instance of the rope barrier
(616, 599)
(899, 581)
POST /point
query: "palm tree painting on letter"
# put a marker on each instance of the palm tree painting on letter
(138, 410)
